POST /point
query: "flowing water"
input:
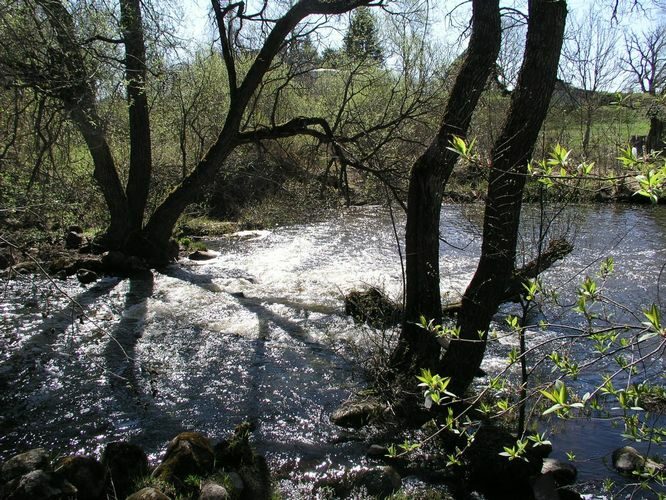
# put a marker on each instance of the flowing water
(259, 334)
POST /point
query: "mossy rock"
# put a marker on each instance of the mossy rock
(188, 454)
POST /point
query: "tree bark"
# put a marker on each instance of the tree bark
(417, 349)
(140, 166)
(79, 98)
(511, 153)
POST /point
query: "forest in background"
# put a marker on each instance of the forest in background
(382, 91)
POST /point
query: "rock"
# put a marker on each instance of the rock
(203, 255)
(6, 258)
(544, 488)
(235, 451)
(73, 240)
(85, 276)
(24, 463)
(372, 307)
(256, 479)
(125, 464)
(213, 491)
(568, 494)
(86, 474)
(381, 482)
(41, 485)
(496, 475)
(148, 494)
(627, 460)
(237, 485)
(356, 414)
(188, 454)
(563, 473)
(253, 478)
(377, 451)
(118, 262)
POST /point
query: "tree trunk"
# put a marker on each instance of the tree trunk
(140, 167)
(79, 99)
(654, 140)
(158, 229)
(416, 349)
(511, 153)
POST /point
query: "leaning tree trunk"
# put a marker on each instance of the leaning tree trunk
(511, 153)
(78, 96)
(416, 348)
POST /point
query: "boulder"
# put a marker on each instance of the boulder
(563, 473)
(356, 414)
(189, 453)
(213, 491)
(24, 463)
(125, 463)
(627, 460)
(381, 482)
(148, 494)
(203, 255)
(73, 240)
(86, 474)
(86, 276)
(39, 484)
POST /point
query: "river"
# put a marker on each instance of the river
(259, 333)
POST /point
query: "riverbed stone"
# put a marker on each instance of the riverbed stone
(563, 473)
(380, 482)
(148, 494)
(86, 474)
(86, 276)
(24, 463)
(125, 463)
(39, 484)
(214, 491)
(356, 414)
(627, 460)
(377, 451)
(203, 255)
(189, 453)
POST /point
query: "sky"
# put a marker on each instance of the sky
(197, 26)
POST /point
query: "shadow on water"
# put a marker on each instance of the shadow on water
(30, 396)
(285, 395)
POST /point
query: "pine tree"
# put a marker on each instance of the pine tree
(362, 41)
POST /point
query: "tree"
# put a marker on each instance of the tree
(361, 41)
(589, 64)
(645, 64)
(512, 150)
(426, 187)
(44, 48)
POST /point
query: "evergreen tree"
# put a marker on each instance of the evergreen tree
(361, 41)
